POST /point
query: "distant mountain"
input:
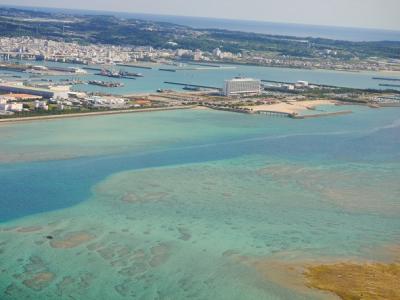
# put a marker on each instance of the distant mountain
(108, 29)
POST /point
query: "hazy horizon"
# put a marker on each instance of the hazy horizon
(374, 14)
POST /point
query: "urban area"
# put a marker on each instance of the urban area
(28, 90)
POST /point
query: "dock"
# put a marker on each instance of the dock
(297, 116)
(201, 68)
(206, 68)
(118, 77)
(310, 83)
(279, 114)
(230, 109)
(271, 113)
(167, 70)
(386, 78)
(13, 67)
(203, 65)
(192, 85)
(389, 85)
(328, 114)
(92, 68)
(274, 81)
(135, 66)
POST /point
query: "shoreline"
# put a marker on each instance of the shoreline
(89, 114)
(331, 277)
(393, 72)
(294, 109)
(291, 107)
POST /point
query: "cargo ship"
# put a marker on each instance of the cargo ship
(133, 74)
(105, 83)
(119, 74)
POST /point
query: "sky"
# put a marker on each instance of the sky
(383, 14)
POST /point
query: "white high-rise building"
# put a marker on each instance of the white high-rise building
(238, 86)
(217, 52)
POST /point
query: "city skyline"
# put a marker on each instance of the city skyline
(363, 14)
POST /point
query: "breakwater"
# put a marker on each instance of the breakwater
(134, 66)
(167, 70)
(386, 78)
(92, 68)
(327, 114)
(192, 85)
(389, 85)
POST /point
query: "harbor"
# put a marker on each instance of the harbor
(79, 90)
(155, 79)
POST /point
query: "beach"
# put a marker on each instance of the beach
(297, 107)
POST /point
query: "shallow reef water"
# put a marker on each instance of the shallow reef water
(214, 208)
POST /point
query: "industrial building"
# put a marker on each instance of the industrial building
(240, 86)
(11, 107)
(20, 97)
(391, 100)
(60, 92)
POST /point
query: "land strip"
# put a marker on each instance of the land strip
(88, 114)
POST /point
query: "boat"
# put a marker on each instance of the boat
(164, 91)
(191, 88)
(110, 73)
(105, 83)
(134, 74)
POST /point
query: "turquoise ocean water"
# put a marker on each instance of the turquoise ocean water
(211, 76)
(174, 205)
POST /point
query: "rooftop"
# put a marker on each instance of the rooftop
(243, 79)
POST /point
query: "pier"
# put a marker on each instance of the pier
(14, 67)
(196, 69)
(92, 68)
(206, 68)
(328, 114)
(167, 70)
(203, 65)
(386, 78)
(279, 114)
(135, 66)
(274, 81)
(390, 85)
(192, 85)
(230, 109)
(297, 116)
(117, 76)
(310, 83)
(275, 114)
